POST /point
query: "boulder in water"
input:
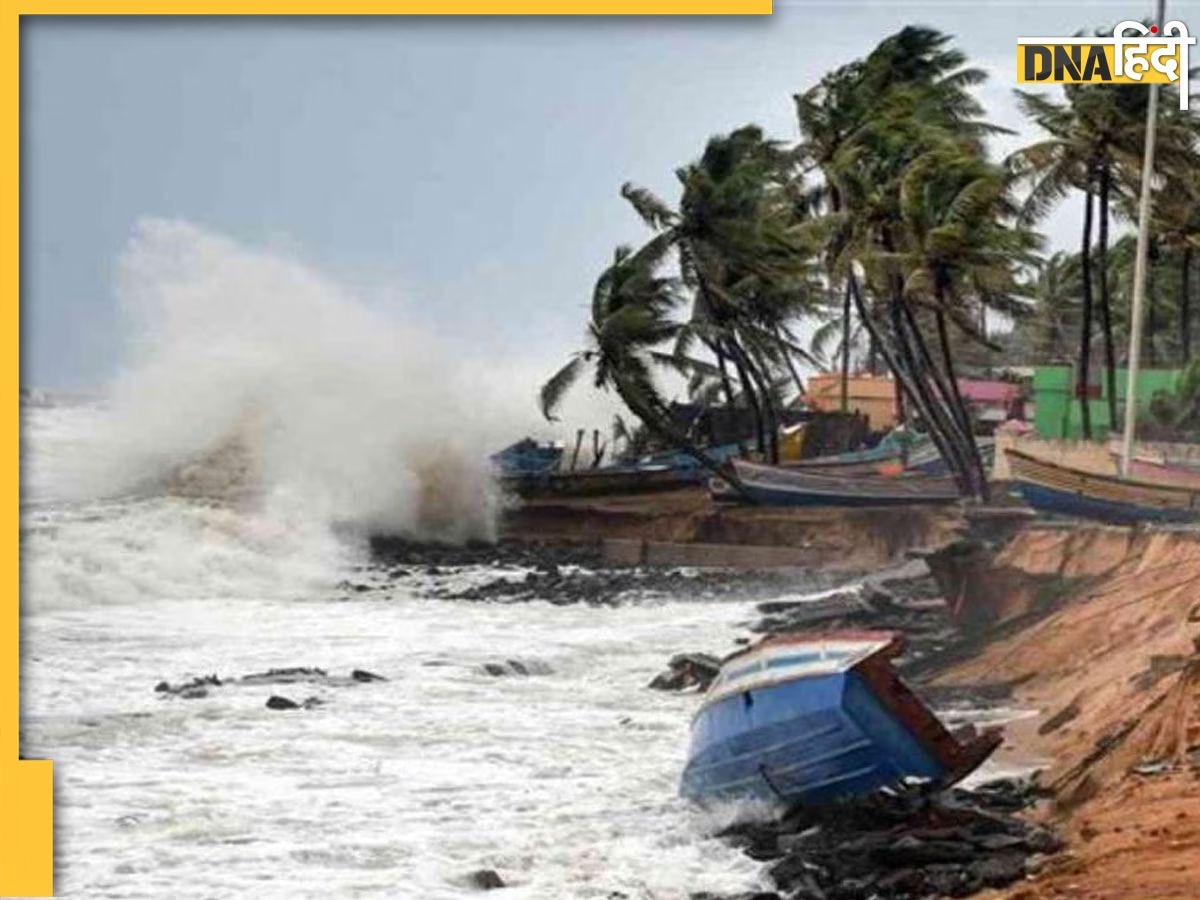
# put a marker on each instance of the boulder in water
(486, 879)
(688, 670)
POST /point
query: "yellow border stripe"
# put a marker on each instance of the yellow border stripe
(411, 8)
(26, 788)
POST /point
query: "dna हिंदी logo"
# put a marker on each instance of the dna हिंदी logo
(1142, 58)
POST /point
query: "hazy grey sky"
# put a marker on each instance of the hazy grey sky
(466, 169)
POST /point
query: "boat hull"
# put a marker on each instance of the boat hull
(1080, 505)
(814, 740)
(815, 717)
(1061, 490)
(778, 486)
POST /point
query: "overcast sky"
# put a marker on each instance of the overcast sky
(464, 169)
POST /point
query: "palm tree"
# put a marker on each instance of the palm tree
(1178, 225)
(744, 259)
(1095, 145)
(1047, 333)
(917, 105)
(958, 243)
(631, 317)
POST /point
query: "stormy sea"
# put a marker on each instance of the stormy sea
(194, 544)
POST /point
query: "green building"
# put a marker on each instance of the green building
(1057, 410)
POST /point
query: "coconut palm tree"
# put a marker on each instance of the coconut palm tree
(958, 243)
(631, 319)
(1094, 144)
(745, 261)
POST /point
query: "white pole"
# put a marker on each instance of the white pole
(1139, 269)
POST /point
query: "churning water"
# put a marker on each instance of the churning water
(183, 527)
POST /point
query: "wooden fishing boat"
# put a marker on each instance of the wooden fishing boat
(1144, 468)
(779, 486)
(600, 482)
(1066, 491)
(817, 717)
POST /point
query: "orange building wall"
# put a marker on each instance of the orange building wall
(873, 396)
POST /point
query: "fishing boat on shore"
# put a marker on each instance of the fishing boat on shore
(1063, 490)
(1145, 468)
(780, 486)
(600, 482)
(662, 472)
(817, 717)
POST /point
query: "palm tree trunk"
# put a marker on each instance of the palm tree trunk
(787, 358)
(1110, 353)
(771, 414)
(901, 375)
(935, 395)
(658, 421)
(960, 406)
(1085, 330)
(727, 387)
(1185, 307)
(750, 394)
(846, 349)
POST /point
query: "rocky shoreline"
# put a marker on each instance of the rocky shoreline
(910, 844)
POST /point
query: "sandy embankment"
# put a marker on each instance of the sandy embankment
(1115, 675)
(1094, 627)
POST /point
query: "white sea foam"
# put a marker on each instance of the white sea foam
(182, 525)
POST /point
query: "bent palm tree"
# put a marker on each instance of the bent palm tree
(630, 319)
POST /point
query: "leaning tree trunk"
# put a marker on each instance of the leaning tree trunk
(901, 375)
(727, 387)
(755, 368)
(960, 406)
(1085, 330)
(936, 395)
(1185, 307)
(915, 355)
(657, 420)
(751, 396)
(1110, 353)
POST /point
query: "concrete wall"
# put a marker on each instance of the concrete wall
(621, 552)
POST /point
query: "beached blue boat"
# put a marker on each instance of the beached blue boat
(1061, 490)
(527, 457)
(814, 718)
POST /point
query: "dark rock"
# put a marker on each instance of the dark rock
(285, 676)
(189, 690)
(687, 670)
(517, 667)
(277, 702)
(486, 879)
(999, 870)
(1067, 714)
(364, 675)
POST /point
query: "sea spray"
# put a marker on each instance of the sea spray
(251, 374)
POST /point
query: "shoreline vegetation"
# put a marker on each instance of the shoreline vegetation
(894, 232)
